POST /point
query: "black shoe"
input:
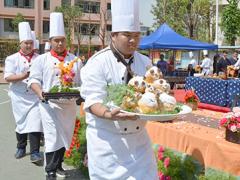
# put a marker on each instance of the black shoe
(62, 173)
(20, 153)
(36, 158)
(51, 176)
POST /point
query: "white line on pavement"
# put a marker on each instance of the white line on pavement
(5, 102)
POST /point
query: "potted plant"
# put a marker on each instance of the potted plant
(231, 121)
(191, 99)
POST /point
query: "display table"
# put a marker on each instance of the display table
(214, 91)
(199, 137)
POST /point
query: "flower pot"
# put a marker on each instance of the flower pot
(233, 137)
(193, 105)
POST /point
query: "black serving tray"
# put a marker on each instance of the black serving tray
(61, 95)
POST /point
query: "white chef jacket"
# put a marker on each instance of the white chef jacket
(206, 66)
(116, 149)
(193, 62)
(24, 101)
(58, 116)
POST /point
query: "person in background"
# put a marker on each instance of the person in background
(58, 118)
(190, 70)
(47, 47)
(162, 65)
(24, 101)
(215, 62)
(233, 60)
(206, 63)
(170, 66)
(83, 59)
(118, 145)
(35, 42)
(193, 61)
(223, 63)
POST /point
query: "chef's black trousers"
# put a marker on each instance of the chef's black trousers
(54, 160)
(34, 139)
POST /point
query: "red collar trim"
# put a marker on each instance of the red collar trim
(60, 58)
(28, 57)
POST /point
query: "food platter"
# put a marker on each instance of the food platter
(159, 117)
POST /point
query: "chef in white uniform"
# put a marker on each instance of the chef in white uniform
(47, 47)
(206, 64)
(35, 43)
(24, 101)
(58, 117)
(193, 60)
(118, 145)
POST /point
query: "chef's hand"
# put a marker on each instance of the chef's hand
(116, 114)
(25, 74)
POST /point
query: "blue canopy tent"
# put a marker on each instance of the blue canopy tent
(166, 38)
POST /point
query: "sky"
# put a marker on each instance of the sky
(146, 17)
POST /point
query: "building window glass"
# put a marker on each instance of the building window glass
(8, 25)
(46, 4)
(66, 2)
(19, 3)
(109, 27)
(86, 29)
(89, 6)
(45, 26)
(108, 6)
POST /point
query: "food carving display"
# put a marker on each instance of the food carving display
(231, 71)
(146, 95)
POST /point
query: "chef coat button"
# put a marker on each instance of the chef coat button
(125, 129)
(67, 63)
(30, 65)
(24, 62)
(122, 78)
(137, 127)
(27, 80)
(56, 74)
(55, 63)
(27, 90)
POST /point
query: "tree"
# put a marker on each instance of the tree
(230, 21)
(71, 15)
(18, 18)
(103, 25)
(186, 17)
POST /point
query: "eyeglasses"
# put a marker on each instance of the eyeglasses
(130, 35)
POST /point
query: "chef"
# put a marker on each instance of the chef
(24, 101)
(117, 143)
(58, 116)
(35, 43)
(47, 47)
(206, 63)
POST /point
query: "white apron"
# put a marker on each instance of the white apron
(116, 149)
(58, 117)
(24, 101)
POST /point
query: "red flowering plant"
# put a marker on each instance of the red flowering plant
(171, 165)
(231, 120)
(191, 97)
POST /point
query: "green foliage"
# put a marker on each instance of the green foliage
(18, 18)
(56, 89)
(230, 21)
(8, 47)
(77, 157)
(186, 17)
(117, 92)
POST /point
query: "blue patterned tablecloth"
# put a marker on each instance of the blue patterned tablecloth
(232, 90)
(211, 91)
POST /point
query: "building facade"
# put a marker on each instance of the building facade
(37, 13)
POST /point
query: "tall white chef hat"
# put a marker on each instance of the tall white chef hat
(34, 40)
(24, 31)
(125, 16)
(47, 46)
(205, 52)
(56, 25)
(36, 44)
(191, 54)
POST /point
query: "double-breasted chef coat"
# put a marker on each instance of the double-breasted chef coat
(116, 149)
(24, 101)
(58, 116)
(206, 66)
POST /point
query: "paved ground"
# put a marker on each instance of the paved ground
(10, 168)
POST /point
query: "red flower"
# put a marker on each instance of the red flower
(166, 162)
(191, 96)
(161, 176)
(223, 121)
(160, 155)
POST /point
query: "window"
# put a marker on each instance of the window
(66, 2)
(45, 26)
(86, 28)
(46, 4)
(89, 6)
(109, 27)
(19, 3)
(8, 25)
(108, 6)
